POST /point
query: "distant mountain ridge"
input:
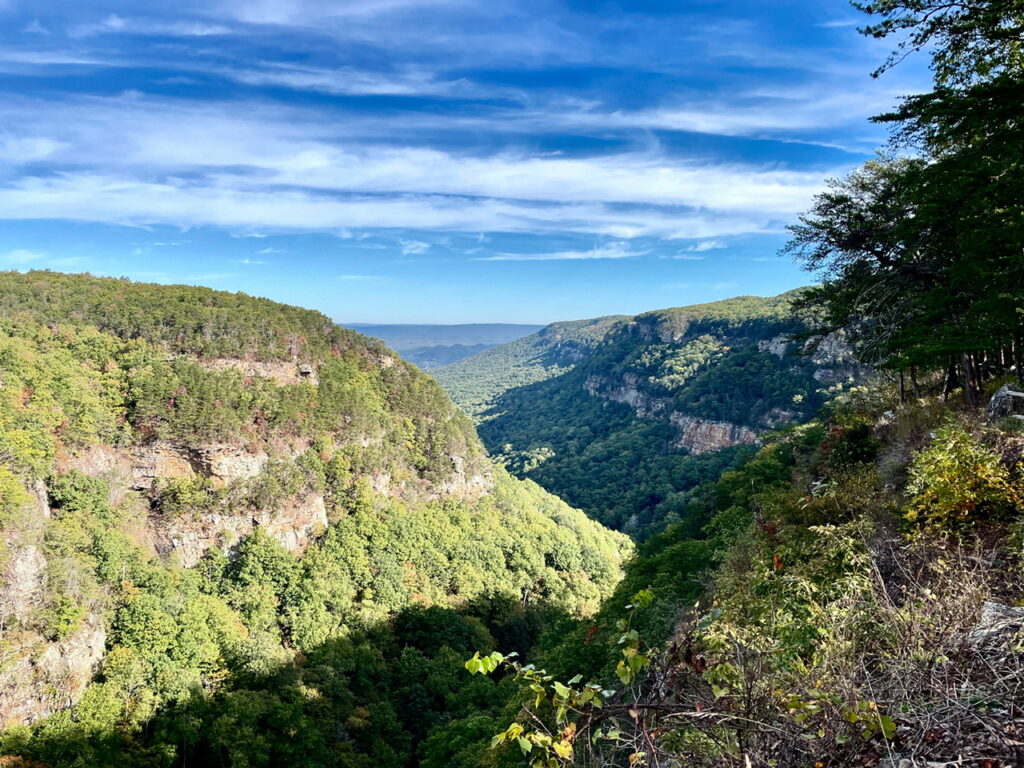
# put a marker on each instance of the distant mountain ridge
(430, 346)
(623, 416)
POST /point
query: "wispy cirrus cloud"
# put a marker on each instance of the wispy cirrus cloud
(457, 131)
(352, 81)
(705, 245)
(122, 25)
(612, 251)
(188, 167)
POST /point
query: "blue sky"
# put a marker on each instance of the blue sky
(431, 160)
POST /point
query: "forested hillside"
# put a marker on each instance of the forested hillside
(623, 417)
(476, 383)
(235, 533)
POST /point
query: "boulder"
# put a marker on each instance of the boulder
(997, 623)
(1004, 403)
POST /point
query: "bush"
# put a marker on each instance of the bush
(958, 480)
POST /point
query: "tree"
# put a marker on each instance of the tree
(923, 257)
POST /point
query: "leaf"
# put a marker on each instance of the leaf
(563, 749)
(525, 745)
(888, 727)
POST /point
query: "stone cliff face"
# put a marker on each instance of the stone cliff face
(187, 539)
(832, 360)
(281, 372)
(38, 678)
(628, 391)
(695, 435)
(702, 436)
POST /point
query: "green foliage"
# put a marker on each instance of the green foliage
(957, 480)
(13, 495)
(568, 707)
(348, 655)
(78, 492)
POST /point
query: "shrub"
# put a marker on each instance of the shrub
(12, 494)
(958, 480)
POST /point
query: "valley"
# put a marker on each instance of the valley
(735, 531)
(626, 416)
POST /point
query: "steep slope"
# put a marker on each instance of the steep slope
(850, 596)
(200, 489)
(624, 421)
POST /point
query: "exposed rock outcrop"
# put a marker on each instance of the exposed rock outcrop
(283, 373)
(187, 539)
(777, 345)
(133, 468)
(835, 359)
(703, 436)
(225, 463)
(629, 393)
(24, 576)
(137, 468)
(465, 482)
(1006, 402)
(38, 678)
(696, 435)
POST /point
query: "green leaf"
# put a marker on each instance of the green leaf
(888, 727)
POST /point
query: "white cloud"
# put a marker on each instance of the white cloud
(13, 60)
(27, 149)
(613, 251)
(312, 12)
(413, 247)
(254, 168)
(249, 262)
(115, 24)
(705, 245)
(116, 200)
(839, 23)
(351, 81)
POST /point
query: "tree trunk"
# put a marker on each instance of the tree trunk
(1018, 367)
(903, 389)
(913, 382)
(972, 382)
(949, 384)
